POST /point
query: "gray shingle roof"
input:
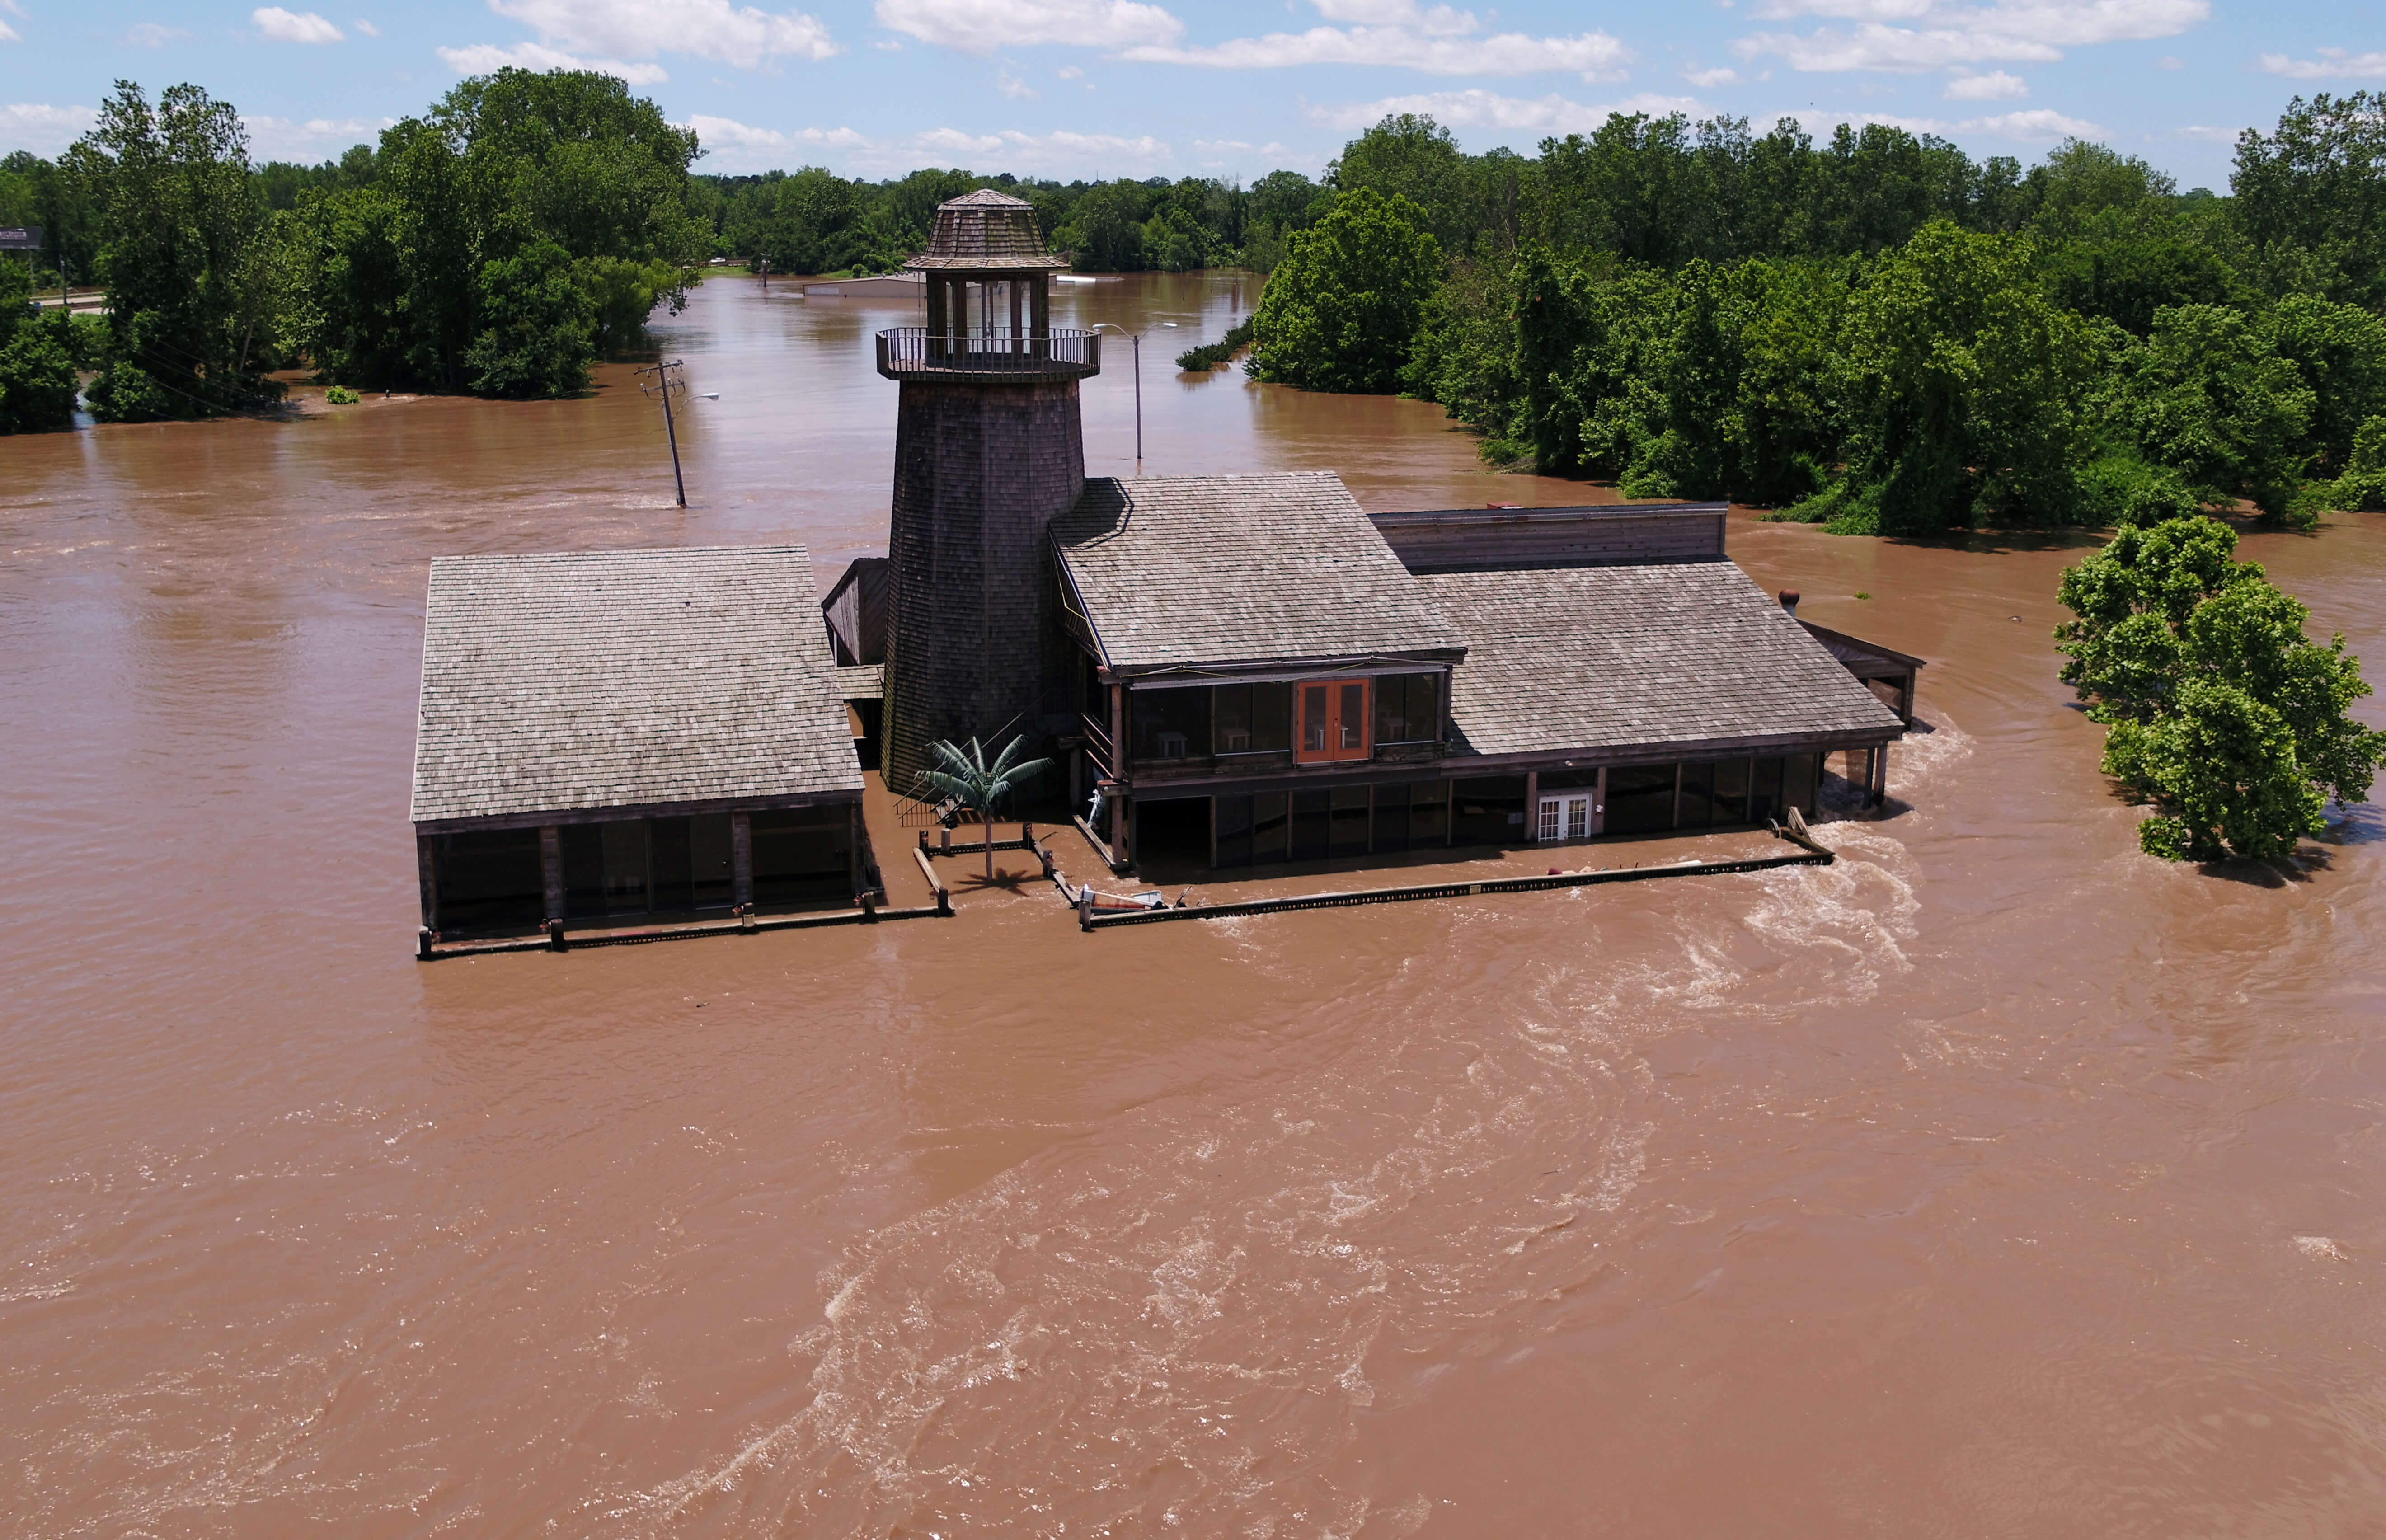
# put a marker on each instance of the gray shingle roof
(614, 678)
(1617, 657)
(985, 229)
(1241, 570)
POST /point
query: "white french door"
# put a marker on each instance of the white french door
(1566, 817)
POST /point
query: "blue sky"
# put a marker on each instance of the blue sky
(1074, 88)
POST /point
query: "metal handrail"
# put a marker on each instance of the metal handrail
(987, 348)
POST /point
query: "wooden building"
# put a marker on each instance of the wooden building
(1265, 674)
(617, 737)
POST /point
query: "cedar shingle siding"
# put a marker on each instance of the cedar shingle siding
(1621, 657)
(1242, 569)
(622, 678)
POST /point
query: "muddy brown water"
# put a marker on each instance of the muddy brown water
(1996, 1180)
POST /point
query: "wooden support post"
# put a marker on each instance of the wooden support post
(1122, 839)
(741, 862)
(1085, 906)
(1905, 698)
(855, 838)
(1533, 806)
(1599, 803)
(1880, 775)
(1118, 731)
(550, 870)
(1014, 286)
(426, 873)
(1677, 794)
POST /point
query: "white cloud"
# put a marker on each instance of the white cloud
(1954, 36)
(1593, 56)
(41, 129)
(982, 26)
(483, 58)
(2333, 64)
(1709, 78)
(2209, 133)
(1069, 72)
(2036, 123)
(293, 26)
(2170, 61)
(149, 34)
(1012, 86)
(272, 138)
(1485, 109)
(1997, 86)
(714, 133)
(365, 27)
(716, 30)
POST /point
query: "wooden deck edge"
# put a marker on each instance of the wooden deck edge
(1101, 847)
(1816, 857)
(573, 941)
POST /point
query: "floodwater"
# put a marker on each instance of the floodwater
(1996, 1180)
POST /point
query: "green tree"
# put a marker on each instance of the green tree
(983, 786)
(536, 338)
(37, 375)
(1408, 156)
(1964, 387)
(2362, 488)
(2311, 196)
(1339, 313)
(184, 251)
(2211, 399)
(2219, 710)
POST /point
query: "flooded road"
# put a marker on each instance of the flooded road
(1995, 1181)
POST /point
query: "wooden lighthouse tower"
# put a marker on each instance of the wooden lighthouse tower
(988, 449)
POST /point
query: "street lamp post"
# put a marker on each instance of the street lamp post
(1137, 339)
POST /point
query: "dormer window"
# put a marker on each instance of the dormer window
(1333, 722)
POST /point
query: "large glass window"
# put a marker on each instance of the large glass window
(1272, 827)
(1408, 708)
(1640, 799)
(1696, 809)
(1428, 814)
(1350, 805)
(1764, 792)
(1391, 834)
(800, 855)
(1232, 831)
(1251, 718)
(1170, 724)
(1731, 792)
(1333, 720)
(490, 880)
(1312, 831)
(1490, 810)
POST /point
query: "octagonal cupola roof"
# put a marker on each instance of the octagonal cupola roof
(987, 231)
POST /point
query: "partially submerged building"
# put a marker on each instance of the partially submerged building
(620, 737)
(1268, 674)
(1236, 670)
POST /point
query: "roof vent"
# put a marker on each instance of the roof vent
(1789, 602)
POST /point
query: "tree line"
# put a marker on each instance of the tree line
(1874, 330)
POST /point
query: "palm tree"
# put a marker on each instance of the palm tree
(970, 781)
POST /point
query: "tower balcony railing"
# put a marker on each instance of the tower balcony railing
(1058, 354)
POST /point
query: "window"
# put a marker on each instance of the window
(1696, 809)
(1170, 724)
(1408, 708)
(1312, 814)
(1765, 793)
(1333, 720)
(1251, 718)
(1640, 799)
(490, 880)
(1349, 821)
(800, 855)
(1491, 810)
(1731, 792)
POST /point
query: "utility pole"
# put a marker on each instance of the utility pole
(663, 386)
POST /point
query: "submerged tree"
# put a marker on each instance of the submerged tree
(982, 786)
(2221, 712)
(1339, 312)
